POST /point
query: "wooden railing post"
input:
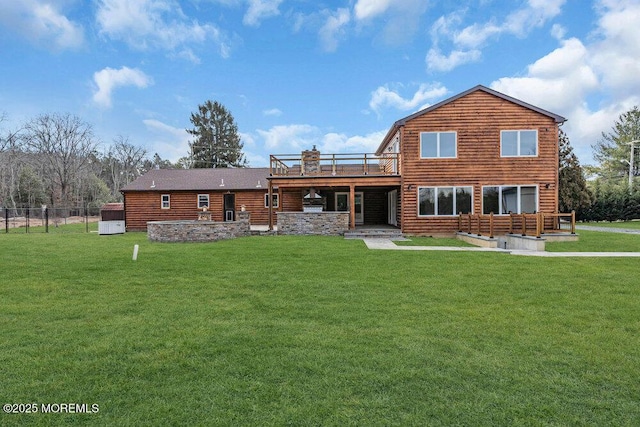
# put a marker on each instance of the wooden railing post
(573, 222)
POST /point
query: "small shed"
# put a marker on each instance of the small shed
(111, 219)
(112, 212)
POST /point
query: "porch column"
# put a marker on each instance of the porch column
(352, 207)
(270, 198)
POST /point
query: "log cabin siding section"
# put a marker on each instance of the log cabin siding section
(477, 118)
(143, 206)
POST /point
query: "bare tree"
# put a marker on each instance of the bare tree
(62, 145)
(123, 163)
(10, 163)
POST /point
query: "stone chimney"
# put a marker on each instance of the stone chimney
(310, 162)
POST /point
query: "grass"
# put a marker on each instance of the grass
(313, 331)
(631, 225)
(432, 241)
(597, 241)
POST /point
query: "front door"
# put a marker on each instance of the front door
(229, 207)
(342, 205)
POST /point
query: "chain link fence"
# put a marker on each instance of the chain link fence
(50, 220)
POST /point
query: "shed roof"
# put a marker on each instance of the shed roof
(217, 179)
(403, 121)
(112, 207)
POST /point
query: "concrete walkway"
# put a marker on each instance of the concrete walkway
(386, 244)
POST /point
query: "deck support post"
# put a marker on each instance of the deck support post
(352, 207)
(270, 201)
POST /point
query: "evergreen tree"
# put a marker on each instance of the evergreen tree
(613, 151)
(217, 143)
(573, 193)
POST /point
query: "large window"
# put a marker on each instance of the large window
(438, 145)
(515, 143)
(274, 198)
(444, 200)
(203, 201)
(165, 201)
(509, 199)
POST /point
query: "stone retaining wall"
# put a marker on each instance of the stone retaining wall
(199, 231)
(307, 223)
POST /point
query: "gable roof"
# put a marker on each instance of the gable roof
(403, 121)
(200, 180)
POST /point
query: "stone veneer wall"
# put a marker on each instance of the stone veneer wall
(305, 223)
(199, 231)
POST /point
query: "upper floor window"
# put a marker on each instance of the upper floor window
(438, 145)
(203, 201)
(506, 199)
(514, 143)
(165, 201)
(444, 200)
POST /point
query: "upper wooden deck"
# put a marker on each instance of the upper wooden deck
(328, 165)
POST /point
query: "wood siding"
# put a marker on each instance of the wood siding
(477, 119)
(143, 206)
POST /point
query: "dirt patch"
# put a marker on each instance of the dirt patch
(20, 221)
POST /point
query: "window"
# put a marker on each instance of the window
(274, 198)
(203, 201)
(438, 145)
(516, 143)
(509, 199)
(444, 200)
(165, 201)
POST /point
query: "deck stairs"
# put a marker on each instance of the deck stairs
(372, 233)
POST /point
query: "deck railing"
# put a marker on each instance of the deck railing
(535, 224)
(335, 165)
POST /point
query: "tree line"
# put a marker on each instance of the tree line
(606, 191)
(56, 159)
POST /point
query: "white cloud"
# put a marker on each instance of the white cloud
(384, 97)
(293, 138)
(367, 9)
(436, 61)
(566, 79)
(401, 17)
(333, 29)
(172, 142)
(275, 112)
(158, 24)
(290, 138)
(468, 41)
(41, 22)
(260, 10)
(108, 79)
(341, 143)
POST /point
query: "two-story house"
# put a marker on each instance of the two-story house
(477, 152)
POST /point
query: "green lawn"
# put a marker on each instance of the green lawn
(632, 225)
(313, 331)
(432, 241)
(598, 241)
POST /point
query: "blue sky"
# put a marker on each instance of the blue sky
(297, 73)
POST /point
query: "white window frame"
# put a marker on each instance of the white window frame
(518, 144)
(438, 146)
(276, 199)
(203, 198)
(454, 189)
(518, 198)
(165, 204)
